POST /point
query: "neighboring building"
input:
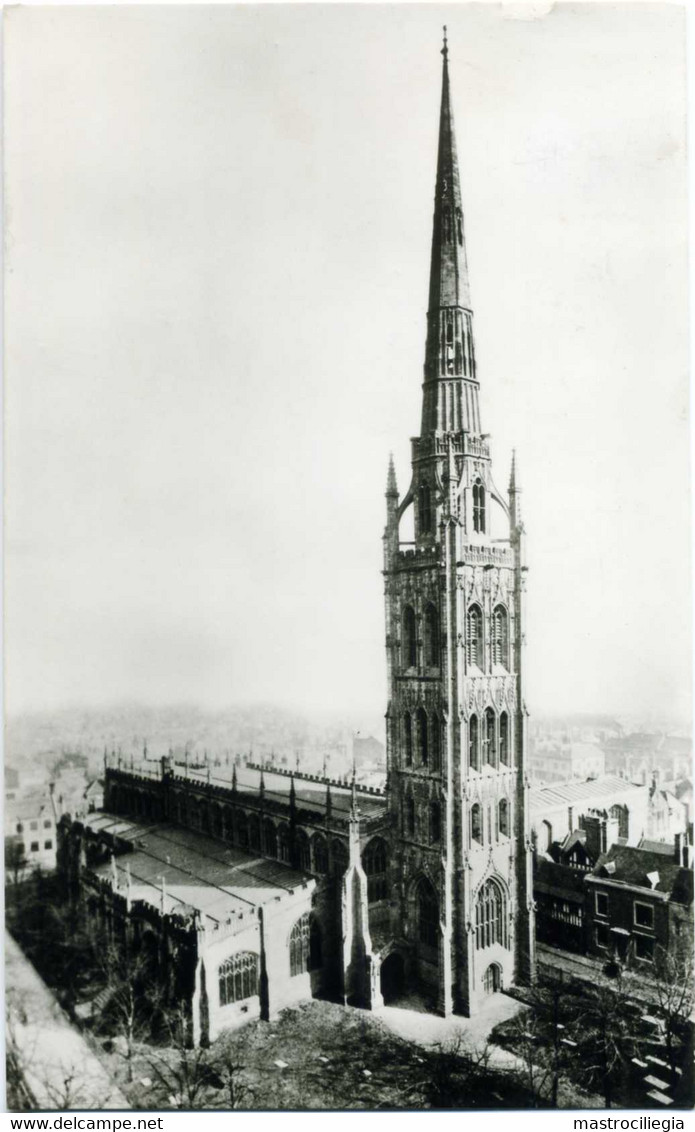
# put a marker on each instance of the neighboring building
(637, 902)
(558, 890)
(30, 832)
(556, 761)
(257, 892)
(556, 810)
(667, 816)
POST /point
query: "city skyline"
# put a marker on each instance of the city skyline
(215, 311)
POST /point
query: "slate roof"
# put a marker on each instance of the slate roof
(221, 882)
(632, 866)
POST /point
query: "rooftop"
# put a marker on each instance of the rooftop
(591, 791)
(184, 871)
(633, 866)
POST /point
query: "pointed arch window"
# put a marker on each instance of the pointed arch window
(459, 225)
(270, 838)
(320, 853)
(503, 817)
(477, 823)
(409, 638)
(435, 823)
(504, 738)
(474, 636)
(432, 636)
(408, 738)
(473, 743)
(339, 854)
(436, 736)
(374, 861)
(490, 744)
(284, 844)
(242, 831)
(491, 916)
(500, 636)
(254, 834)
(299, 946)
(238, 978)
(303, 851)
(478, 507)
(425, 509)
(446, 222)
(428, 915)
(423, 738)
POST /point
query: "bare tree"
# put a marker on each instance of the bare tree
(130, 997)
(673, 982)
(184, 1070)
(606, 1026)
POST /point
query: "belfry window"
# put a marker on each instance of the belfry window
(431, 636)
(474, 636)
(409, 638)
(504, 738)
(491, 916)
(408, 738)
(299, 946)
(238, 978)
(473, 760)
(476, 823)
(490, 745)
(478, 507)
(423, 736)
(500, 637)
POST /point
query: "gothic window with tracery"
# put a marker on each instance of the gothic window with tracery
(254, 833)
(270, 837)
(238, 978)
(491, 916)
(422, 735)
(474, 636)
(320, 853)
(303, 850)
(490, 745)
(340, 856)
(300, 946)
(409, 638)
(504, 738)
(284, 844)
(500, 637)
(478, 507)
(374, 862)
(432, 636)
(473, 757)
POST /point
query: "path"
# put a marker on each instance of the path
(410, 1020)
(56, 1063)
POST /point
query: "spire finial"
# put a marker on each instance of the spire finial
(445, 46)
(391, 485)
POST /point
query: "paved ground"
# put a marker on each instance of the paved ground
(409, 1020)
(58, 1066)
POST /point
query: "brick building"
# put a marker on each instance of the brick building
(264, 889)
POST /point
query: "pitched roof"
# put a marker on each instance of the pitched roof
(591, 791)
(558, 880)
(633, 866)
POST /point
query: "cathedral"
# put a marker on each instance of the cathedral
(249, 891)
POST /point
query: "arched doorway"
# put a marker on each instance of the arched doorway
(492, 979)
(392, 977)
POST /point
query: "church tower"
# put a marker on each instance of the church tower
(457, 784)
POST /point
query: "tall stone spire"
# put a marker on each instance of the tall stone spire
(450, 352)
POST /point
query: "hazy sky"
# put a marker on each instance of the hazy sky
(218, 229)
